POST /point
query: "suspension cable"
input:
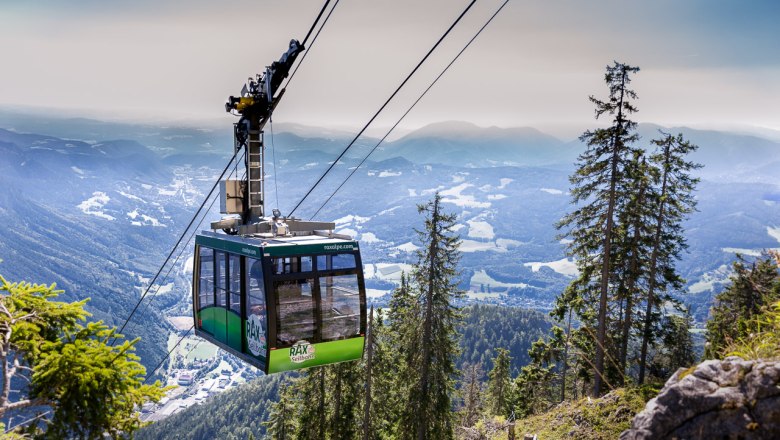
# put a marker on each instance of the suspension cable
(360, 133)
(315, 23)
(181, 237)
(181, 252)
(151, 373)
(306, 52)
(410, 108)
(273, 152)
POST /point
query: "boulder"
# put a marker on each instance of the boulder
(725, 399)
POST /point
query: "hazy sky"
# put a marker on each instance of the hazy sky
(705, 62)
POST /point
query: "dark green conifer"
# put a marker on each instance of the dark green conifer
(499, 384)
(434, 277)
(754, 286)
(596, 189)
(674, 202)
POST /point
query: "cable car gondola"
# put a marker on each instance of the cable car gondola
(279, 293)
(282, 303)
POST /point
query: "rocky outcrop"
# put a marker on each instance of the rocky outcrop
(728, 399)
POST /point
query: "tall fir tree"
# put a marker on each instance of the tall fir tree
(281, 421)
(596, 186)
(435, 278)
(499, 384)
(674, 202)
(385, 380)
(635, 220)
(311, 415)
(677, 346)
(403, 338)
(344, 391)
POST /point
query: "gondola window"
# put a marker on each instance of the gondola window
(234, 265)
(206, 288)
(296, 310)
(221, 278)
(340, 307)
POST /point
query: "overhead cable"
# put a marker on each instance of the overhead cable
(308, 49)
(181, 237)
(151, 373)
(410, 108)
(360, 133)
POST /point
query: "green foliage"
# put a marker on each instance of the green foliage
(92, 388)
(736, 314)
(587, 419)
(598, 185)
(487, 327)
(387, 391)
(232, 415)
(626, 235)
(280, 424)
(435, 276)
(498, 384)
(471, 389)
(764, 343)
(534, 388)
(676, 348)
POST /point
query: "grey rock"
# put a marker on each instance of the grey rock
(728, 399)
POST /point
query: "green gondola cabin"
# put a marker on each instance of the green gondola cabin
(280, 303)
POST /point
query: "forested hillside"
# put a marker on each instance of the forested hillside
(486, 328)
(236, 413)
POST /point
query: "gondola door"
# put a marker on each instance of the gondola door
(221, 299)
(234, 327)
(255, 312)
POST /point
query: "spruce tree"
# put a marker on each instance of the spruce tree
(471, 388)
(386, 397)
(369, 367)
(674, 202)
(633, 252)
(677, 346)
(281, 422)
(434, 276)
(596, 186)
(311, 415)
(344, 395)
(499, 384)
(404, 339)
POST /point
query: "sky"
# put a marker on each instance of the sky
(712, 63)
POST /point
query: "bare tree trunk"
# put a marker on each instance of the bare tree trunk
(653, 269)
(566, 358)
(605, 263)
(322, 402)
(369, 366)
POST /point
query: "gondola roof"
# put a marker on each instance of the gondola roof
(253, 246)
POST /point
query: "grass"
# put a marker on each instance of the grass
(588, 419)
(765, 342)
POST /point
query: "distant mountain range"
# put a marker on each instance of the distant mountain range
(95, 205)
